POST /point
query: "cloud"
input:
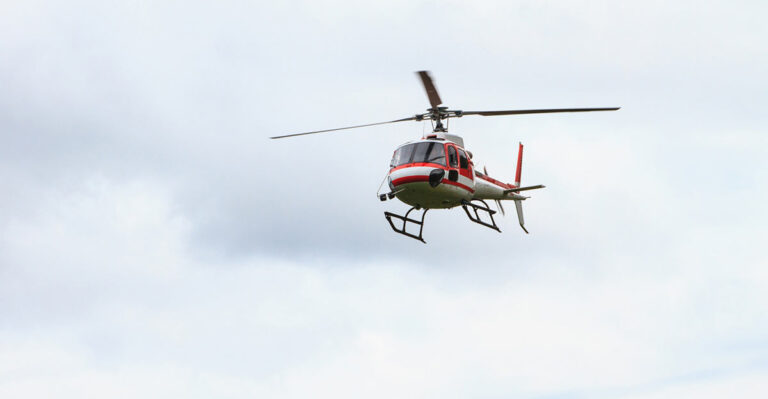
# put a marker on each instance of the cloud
(103, 296)
(154, 242)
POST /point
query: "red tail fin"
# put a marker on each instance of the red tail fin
(519, 165)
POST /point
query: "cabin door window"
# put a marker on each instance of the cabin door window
(464, 165)
(453, 158)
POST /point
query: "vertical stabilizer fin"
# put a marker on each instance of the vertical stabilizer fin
(519, 207)
(519, 165)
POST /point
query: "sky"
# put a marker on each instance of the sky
(155, 243)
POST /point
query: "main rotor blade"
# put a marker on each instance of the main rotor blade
(343, 128)
(536, 111)
(426, 80)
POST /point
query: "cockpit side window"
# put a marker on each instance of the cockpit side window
(402, 155)
(452, 157)
(463, 161)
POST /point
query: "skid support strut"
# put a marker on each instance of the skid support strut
(406, 220)
(476, 217)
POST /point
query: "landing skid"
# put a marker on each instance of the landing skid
(476, 217)
(406, 220)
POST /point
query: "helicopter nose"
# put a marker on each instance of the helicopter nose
(435, 177)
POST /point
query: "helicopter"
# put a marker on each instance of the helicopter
(438, 172)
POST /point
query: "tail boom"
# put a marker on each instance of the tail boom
(488, 188)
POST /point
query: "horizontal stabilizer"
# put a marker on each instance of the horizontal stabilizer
(514, 190)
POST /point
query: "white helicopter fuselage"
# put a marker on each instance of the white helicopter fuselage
(438, 173)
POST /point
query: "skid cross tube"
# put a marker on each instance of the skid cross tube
(476, 217)
(405, 219)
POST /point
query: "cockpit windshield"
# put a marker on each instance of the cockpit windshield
(429, 152)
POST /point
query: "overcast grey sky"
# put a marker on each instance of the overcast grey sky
(155, 243)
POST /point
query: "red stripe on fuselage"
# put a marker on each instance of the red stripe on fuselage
(459, 185)
(494, 181)
(422, 178)
(464, 172)
(409, 165)
(409, 179)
